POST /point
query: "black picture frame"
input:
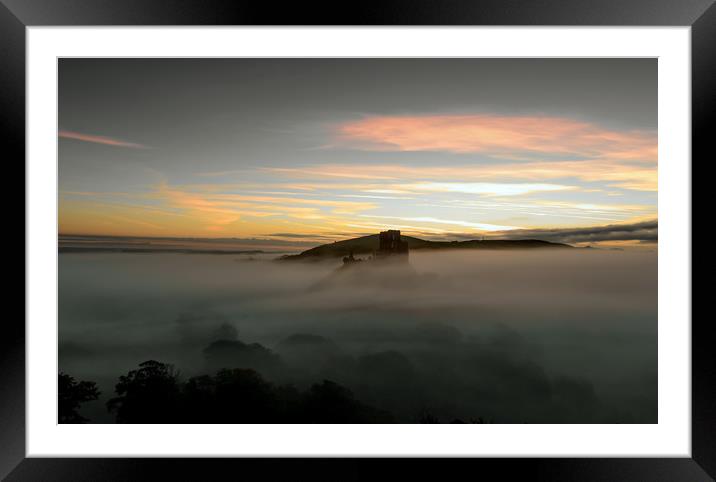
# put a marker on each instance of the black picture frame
(16, 15)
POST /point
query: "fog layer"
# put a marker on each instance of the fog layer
(568, 336)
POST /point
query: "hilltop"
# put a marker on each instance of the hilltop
(369, 244)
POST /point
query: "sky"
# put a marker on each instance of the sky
(324, 149)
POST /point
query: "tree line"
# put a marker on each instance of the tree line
(154, 393)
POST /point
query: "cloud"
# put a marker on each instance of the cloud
(215, 208)
(498, 135)
(488, 188)
(370, 196)
(625, 175)
(108, 141)
(432, 220)
(332, 173)
(292, 235)
(547, 208)
(646, 231)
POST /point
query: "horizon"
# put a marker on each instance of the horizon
(557, 236)
(317, 150)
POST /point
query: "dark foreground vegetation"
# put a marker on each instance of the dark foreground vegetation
(310, 379)
(71, 394)
(154, 393)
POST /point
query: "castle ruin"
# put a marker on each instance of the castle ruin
(391, 246)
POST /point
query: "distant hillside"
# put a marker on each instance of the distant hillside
(368, 244)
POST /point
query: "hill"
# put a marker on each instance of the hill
(368, 244)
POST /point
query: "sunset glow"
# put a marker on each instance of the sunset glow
(332, 174)
(499, 134)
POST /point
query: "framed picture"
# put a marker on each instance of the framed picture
(436, 230)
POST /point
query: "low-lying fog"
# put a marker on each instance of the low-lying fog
(508, 336)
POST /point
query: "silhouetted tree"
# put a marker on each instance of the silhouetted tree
(152, 394)
(147, 395)
(426, 417)
(70, 395)
(232, 396)
(478, 420)
(329, 402)
(198, 395)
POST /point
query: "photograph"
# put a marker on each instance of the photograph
(357, 240)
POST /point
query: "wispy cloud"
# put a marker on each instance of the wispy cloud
(487, 188)
(212, 207)
(108, 141)
(453, 222)
(499, 135)
(292, 235)
(323, 172)
(626, 175)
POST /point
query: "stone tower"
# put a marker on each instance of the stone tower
(390, 245)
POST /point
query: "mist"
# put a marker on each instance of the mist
(565, 336)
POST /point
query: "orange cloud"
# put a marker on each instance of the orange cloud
(108, 141)
(217, 209)
(498, 135)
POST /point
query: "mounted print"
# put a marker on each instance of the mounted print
(357, 240)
